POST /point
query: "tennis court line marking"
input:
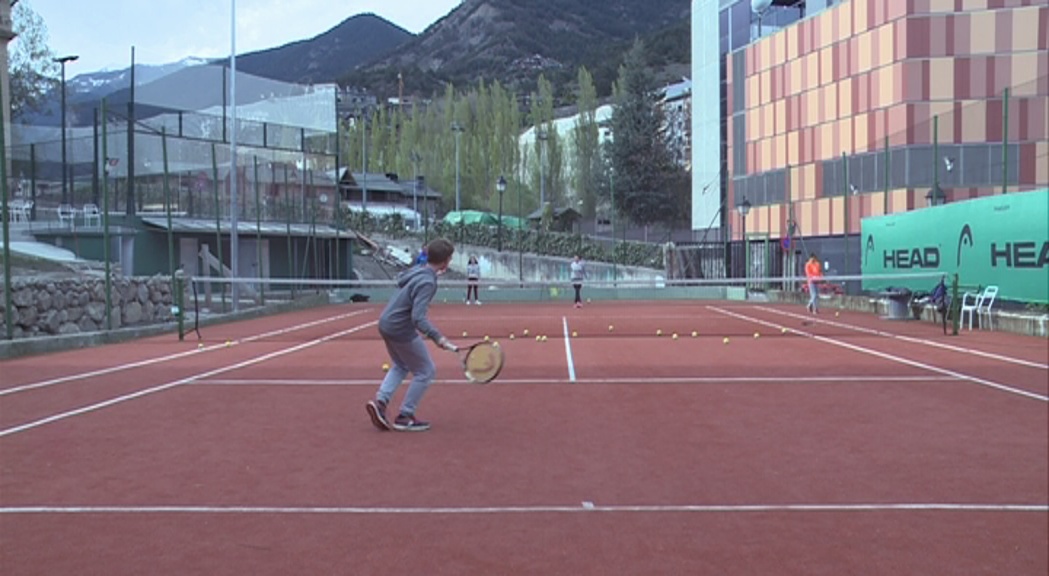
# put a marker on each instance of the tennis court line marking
(584, 507)
(888, 356)
(912, 339)
(568, 351)
(642, 380)
(169, 357)
(152, 390)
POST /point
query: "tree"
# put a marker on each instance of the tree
(642, 164)
(585, 140)
(31, 63)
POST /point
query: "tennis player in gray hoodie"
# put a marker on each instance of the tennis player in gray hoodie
(401, 323)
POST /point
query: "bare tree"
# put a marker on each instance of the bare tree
(31, 62)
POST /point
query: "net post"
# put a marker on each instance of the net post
(956, 306)
(177, 298)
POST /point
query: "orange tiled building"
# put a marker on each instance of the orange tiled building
(846, 100)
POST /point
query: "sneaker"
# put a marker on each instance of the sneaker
(467, 302)
(478, 302)
(377, 411)
(408, 423)
(578, 304)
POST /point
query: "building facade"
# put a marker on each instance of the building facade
(870, 107)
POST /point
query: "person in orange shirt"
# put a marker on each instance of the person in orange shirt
(814, 274)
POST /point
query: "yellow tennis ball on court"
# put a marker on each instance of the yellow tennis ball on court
(610, 327)
(464, 334)
(200, 346)
(659, 332)
(385, 367)
(229, 343)
(538, 338)
(511, 335)
(544, 337)
(724, 340)
(783, 330)
(694, 333)
(575, 334)
(674, 336)
(486, 338)
(525, 332)
(757, 335)
(837, 313)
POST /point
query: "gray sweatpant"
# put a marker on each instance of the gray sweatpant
(407, 357)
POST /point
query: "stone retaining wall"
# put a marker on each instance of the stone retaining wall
(52, 305)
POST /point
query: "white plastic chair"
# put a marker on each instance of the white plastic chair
(66, 213)
(979, 305)
(92, 214)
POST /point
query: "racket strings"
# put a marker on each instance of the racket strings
(483, 362)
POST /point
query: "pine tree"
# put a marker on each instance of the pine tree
(641, 162)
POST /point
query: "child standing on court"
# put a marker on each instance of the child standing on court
(578, 273)
(473, 275)
(813, 273)
(401, 323)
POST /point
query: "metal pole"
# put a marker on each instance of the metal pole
(845, 208)
(500, 220)
(234, 244)
(167, 203)
(364, 153)
(520, 240)
(5, 215)
(615, 258)
(935, 156)
(885, 198)
(542, 171)
(458, 129)
(1005, 143)
(258, 228)
(130, 201)
(218, 220)
(105, 217)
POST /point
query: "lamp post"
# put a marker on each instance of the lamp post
(744, 208)
(62, 60)
(458, 129)
(541, 136)
(500, 185)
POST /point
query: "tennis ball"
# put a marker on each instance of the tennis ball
(659, 332)
(544, 337)
(486, 338)
(837, 313)
(757, 335)
(783, 330)
(538, 338)
(694, 333)
(200, 346)
(610, 327)
(724, 340)
(229, 343)
(525, 332)
(464, 334)
(575, 334)
(385, 367)
(674, 336)
(511, 335)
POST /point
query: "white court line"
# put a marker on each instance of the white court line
(585, 507)
(162, 387)
(646, 380)
(887, 356)
(169, 357)
(926, 342)
(568, 351)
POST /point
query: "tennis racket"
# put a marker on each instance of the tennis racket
(482, 361)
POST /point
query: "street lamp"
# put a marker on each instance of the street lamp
(62, 60)
(541, 136)
(458, 129)
(501, 187)
(744, 208)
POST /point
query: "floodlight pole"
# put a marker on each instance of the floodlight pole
(65, 167)
(458, 129)
(500, 185)
(233, 240)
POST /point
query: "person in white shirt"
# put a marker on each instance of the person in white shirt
(578, 274)
(473, 275)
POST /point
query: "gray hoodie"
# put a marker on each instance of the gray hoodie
(405, 313)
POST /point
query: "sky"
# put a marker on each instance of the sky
(102, 32)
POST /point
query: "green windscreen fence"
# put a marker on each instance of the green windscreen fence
(996, 240)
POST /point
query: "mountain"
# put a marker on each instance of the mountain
(514, 40)
(324, 58)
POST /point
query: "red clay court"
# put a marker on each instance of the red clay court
(843, 445)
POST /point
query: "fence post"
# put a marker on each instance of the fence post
(5, 216)
(1005, 143)
(956, 305)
